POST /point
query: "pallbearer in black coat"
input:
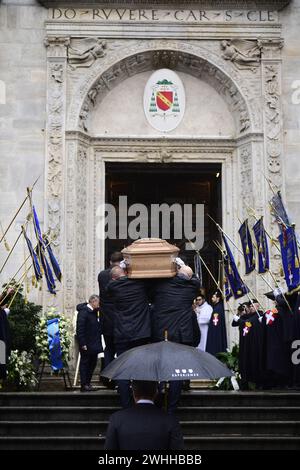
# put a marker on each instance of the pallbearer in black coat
(172, 301)
(132, 320)
(107, 307)
(217, 336)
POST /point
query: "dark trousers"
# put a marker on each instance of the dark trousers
(88, 363)
(109, 351)
(124, 385)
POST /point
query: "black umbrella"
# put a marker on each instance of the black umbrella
(165, 361)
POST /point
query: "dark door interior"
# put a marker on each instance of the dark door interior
(149, 183)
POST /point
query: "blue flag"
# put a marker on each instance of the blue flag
(40, 250)
(48, 274)
(262, 246)
(238, 287)
(35, 262)
(227, 289)
(53, 260)
(290, 257)
(37, 227)
(54, 344)
(279, 211)
(248, 248)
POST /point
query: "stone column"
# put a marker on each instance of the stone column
(55, 150)
(273, 131)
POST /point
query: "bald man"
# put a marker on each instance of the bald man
(172, 301)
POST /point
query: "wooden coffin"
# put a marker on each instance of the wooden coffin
(150, 258)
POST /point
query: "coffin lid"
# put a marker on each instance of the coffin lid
(150, 246)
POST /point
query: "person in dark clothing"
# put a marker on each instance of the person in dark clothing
(5, 342)
(107, 308)
(143, 426)
(172, 301)
(295, 354)
(132, 319)
(251, 344)
(277, 342)
(88, 331)
(217, 337)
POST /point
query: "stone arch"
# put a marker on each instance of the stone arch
(179, 56)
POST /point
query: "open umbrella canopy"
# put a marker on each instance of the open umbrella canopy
(165, 361)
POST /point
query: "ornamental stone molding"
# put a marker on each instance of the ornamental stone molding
(239, 4)
(75, 165)
(139, 56)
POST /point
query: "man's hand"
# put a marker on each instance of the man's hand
(84, 348)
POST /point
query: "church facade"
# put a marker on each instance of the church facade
(73, 75)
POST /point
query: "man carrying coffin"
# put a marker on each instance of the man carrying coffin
(107, 307)
(172, 301)
(132, 323)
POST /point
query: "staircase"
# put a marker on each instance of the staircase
(210, 420)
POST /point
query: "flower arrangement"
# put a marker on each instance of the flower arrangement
(21, 371)
(231, 359)
(41, 337)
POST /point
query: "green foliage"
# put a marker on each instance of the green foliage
(23, 320)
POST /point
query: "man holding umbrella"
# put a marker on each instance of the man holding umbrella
(143, 426)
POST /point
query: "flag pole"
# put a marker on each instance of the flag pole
(15, 215)
(247, 293)
(211, 275)
(10, 252)
(271, 273)
(11, 282)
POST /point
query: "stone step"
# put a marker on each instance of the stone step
(106, 397)
(189, 428)
(191, 442)
(186, 413)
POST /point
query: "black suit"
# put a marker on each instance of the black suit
(88, 330)
(172, 312)
(132, 322)
(172, 309)
(143, 427)
(107, 310)
(131, 310)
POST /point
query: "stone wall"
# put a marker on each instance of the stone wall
(23, 72)
(290, 18)
(22, 115)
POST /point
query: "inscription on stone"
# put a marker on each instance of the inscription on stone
(161, 15)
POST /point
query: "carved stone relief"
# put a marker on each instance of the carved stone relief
(245, 54)
(81, 222)
(273, 129)
(84, 52)
(89, 82)
(140, 56)
(56, 54)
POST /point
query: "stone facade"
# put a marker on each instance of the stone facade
(64, 70)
